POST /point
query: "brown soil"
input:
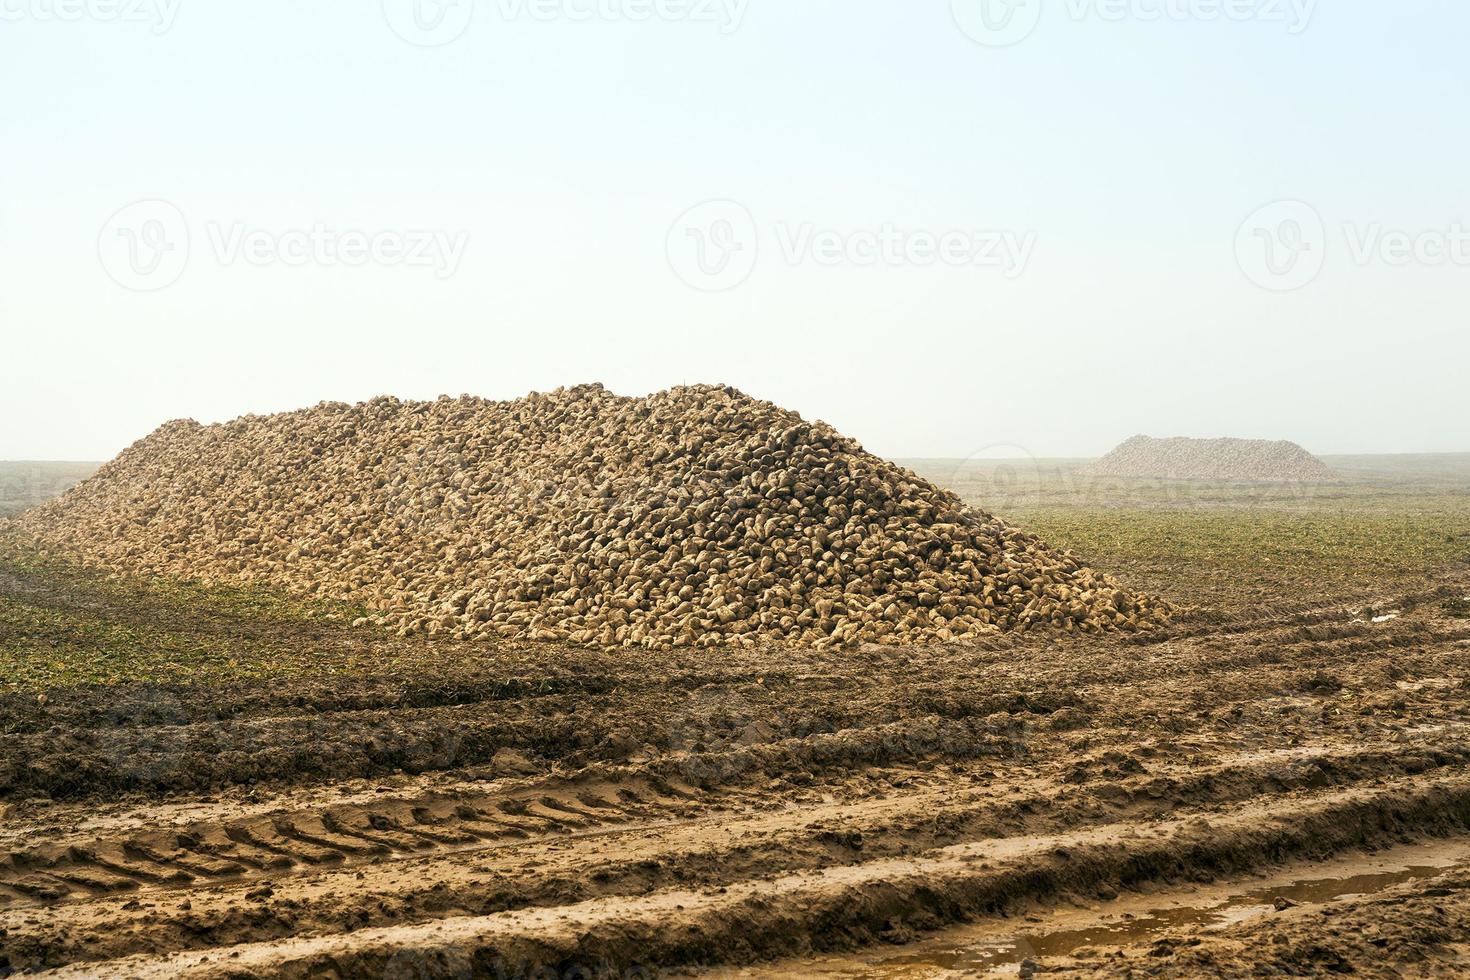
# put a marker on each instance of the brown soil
(655, 812)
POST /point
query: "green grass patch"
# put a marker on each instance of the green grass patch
(1385, 522)
(61, 627)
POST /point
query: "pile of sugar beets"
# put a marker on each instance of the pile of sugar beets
(1211, 459)
(696, 516)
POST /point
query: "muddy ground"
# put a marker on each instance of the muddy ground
(547, 812)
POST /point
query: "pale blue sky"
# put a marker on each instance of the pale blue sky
(564, 150)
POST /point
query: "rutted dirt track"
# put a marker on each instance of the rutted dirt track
(627, 815)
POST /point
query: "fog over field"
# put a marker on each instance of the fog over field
(940, 241)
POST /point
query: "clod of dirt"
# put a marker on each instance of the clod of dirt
(1210, 459)
(513, 763)
(695, 516)
(1321, 683)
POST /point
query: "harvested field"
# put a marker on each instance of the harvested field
(318, 800)
(1210, 459)
(327, 671)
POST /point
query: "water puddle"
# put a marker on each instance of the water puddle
(990, 954)
(998, 948)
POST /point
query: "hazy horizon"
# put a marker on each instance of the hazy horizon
(991, 452)
(986, 454)
(942, 234)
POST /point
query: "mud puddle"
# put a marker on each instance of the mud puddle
(1000, 947)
